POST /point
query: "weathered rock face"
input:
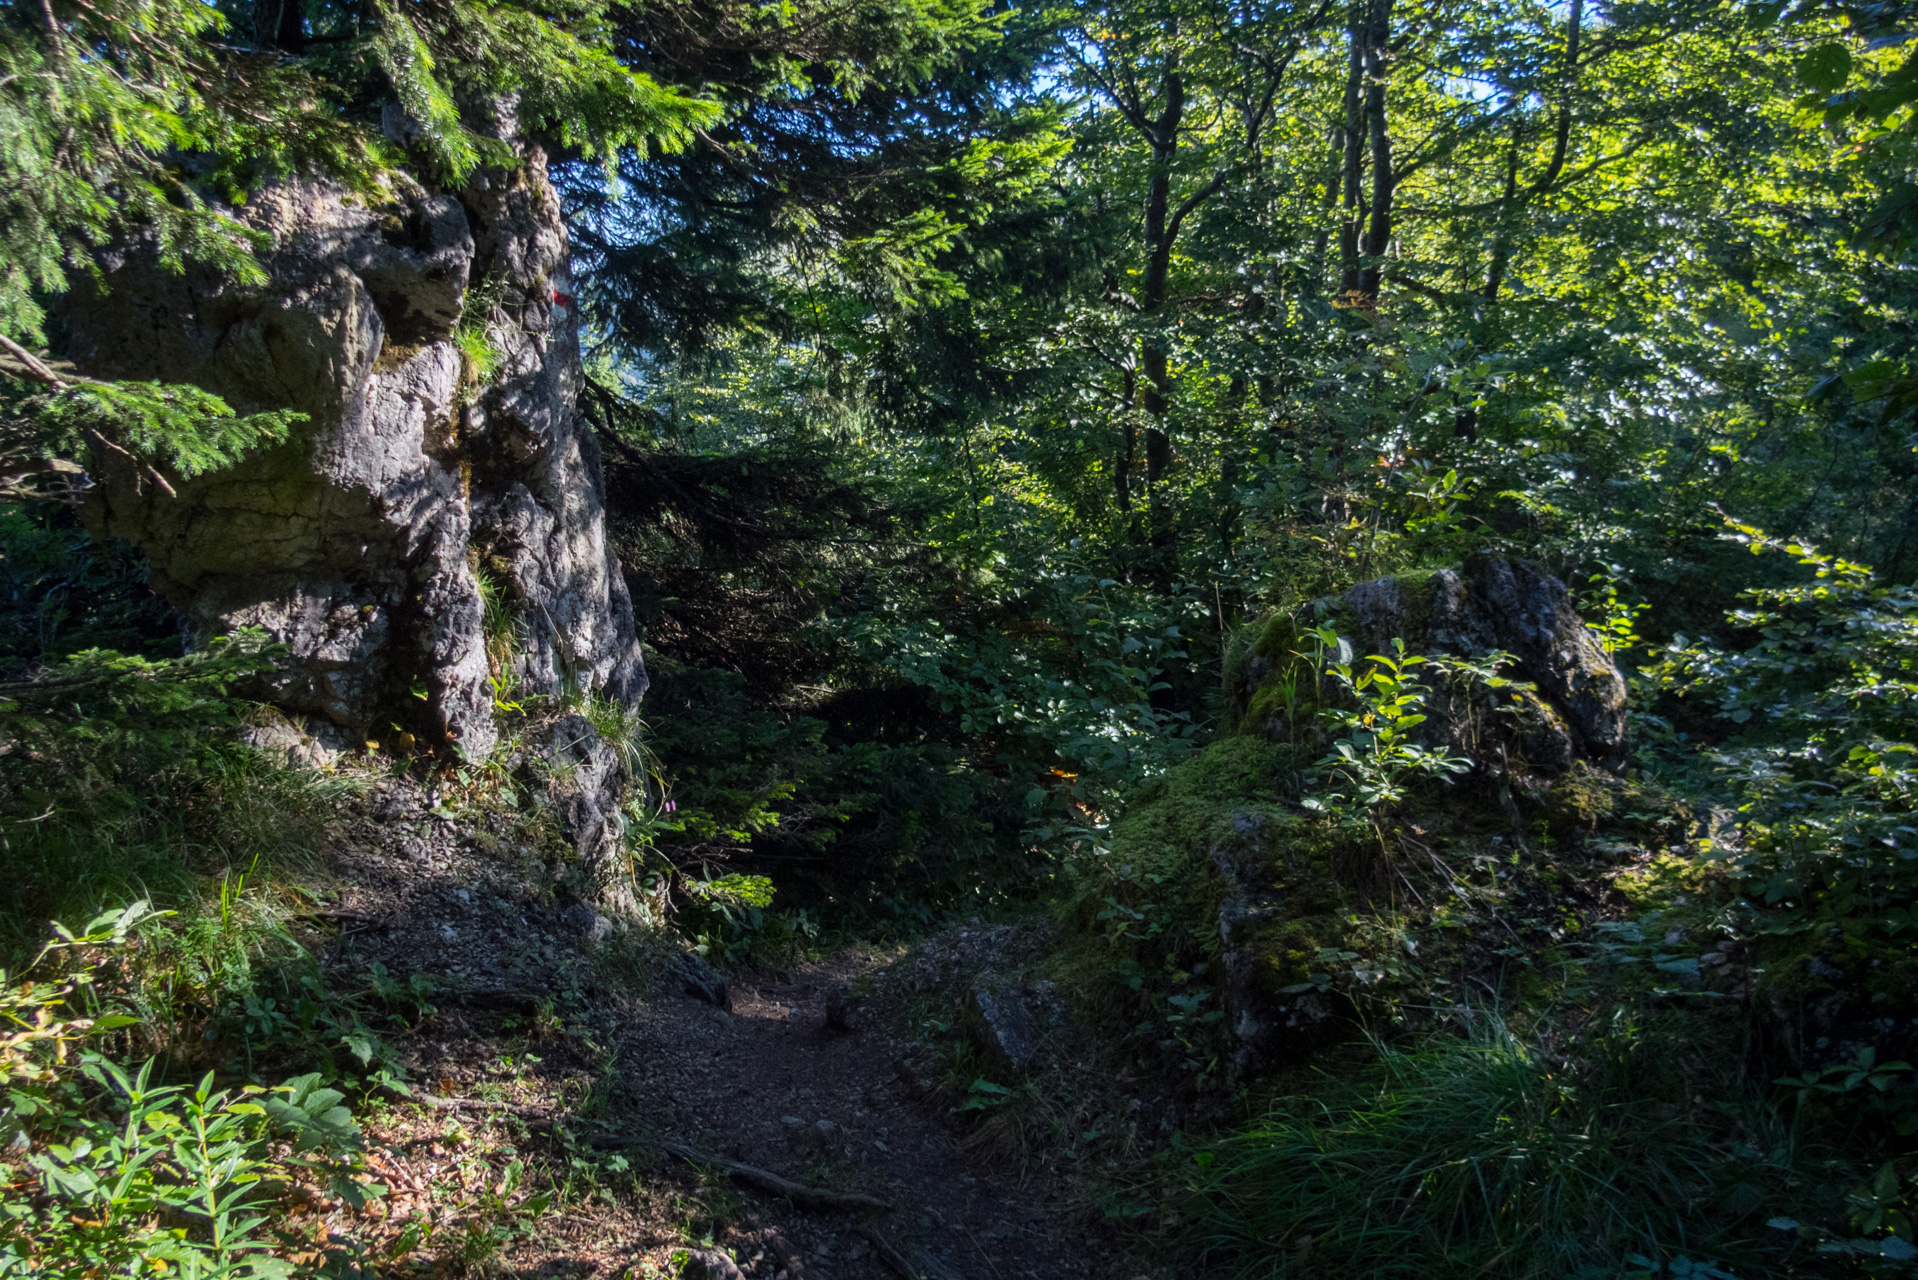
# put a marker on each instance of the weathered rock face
(360, 543)
(582, 790)
(1012, 1021)
(1574, 710)
(1268, 943)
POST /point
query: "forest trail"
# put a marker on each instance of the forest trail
(765, 1084)
(771, 1086)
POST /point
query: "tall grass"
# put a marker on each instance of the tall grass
(130, 824)
(1485, 1156)
(99, 811)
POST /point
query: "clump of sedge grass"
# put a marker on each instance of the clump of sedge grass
(1485, 1156)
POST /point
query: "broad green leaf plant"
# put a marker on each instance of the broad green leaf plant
(112, 1173)
(1823, 762)
(1377, 757)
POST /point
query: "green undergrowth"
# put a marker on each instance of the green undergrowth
(112, 1168)
(1581, 1024)
(1533, 1083)
(61, 592)
(178, 1077)
(1460, 899)
(124, 782)
(872, 837)
(1578, 1146)
(149, 820)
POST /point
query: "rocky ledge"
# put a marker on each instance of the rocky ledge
(434, 532)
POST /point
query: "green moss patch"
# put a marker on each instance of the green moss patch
(1156, 895)
(1286, 953)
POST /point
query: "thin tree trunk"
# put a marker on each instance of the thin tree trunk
(1354, 134)
(1384, 182)
(1507, 210)
(1229, 466)
(1515, 200)
(281, 25)
(1331, 204)
(1154, 356)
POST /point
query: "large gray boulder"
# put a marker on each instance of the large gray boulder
(1569, 704)
(360, 542)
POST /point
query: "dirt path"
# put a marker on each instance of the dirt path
(770, 1086)
(765, 1084)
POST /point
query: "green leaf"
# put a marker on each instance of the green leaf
(1825, 68)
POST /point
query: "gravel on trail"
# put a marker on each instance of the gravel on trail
(770, 1085)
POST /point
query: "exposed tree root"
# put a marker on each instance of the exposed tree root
(806, 1197)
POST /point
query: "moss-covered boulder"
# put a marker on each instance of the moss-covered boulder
(1280, 909)
(1221, 891)
(1569, 705)
(1215, 871)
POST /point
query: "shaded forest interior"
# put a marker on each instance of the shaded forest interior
(1367, 546)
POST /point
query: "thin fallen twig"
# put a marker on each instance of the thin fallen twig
(495, 998)
(443, 1103)
(351, 917)
(806, 1197)
(974, 1237)
(887, 1254)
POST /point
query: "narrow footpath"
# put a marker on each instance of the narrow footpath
(770, 1085)
(638, 1110)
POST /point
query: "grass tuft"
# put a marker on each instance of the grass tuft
(1487, 1156)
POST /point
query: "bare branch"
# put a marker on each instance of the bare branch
(31, 364)
(1134, 114)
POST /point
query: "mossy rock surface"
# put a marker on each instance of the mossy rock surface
(1162, 848)
(1215, 867)
(1285, 952)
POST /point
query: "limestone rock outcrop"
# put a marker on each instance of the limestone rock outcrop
(583, 786)
(432, 343)
(1573, 709)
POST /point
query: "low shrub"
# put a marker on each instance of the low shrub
(106, 1171)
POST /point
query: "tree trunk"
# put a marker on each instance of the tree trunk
(1353, 134)
(280, 25)
(1331, 204)
(1507, 210)
(1384, 182)
(1154, 358)
(1229, 513)
(1514, 200)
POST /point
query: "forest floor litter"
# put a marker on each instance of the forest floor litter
(714, 1113)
